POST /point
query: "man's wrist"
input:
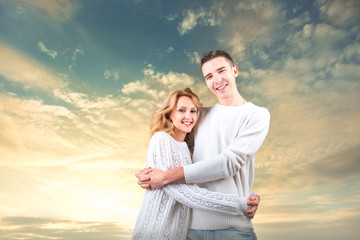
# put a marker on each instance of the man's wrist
(166, 178)
(174, 176)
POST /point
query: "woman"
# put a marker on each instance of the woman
(165, 213)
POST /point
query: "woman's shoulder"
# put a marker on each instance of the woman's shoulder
(161, 135)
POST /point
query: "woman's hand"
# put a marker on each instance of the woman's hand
(151, 178)
(253, 203)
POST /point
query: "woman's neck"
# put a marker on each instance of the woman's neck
(179, 136)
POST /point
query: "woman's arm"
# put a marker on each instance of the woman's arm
(193, 196)
(164, 154)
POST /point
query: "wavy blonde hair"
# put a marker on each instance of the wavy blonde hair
(161, 121)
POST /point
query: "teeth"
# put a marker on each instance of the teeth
(187, 123)
(221, 88)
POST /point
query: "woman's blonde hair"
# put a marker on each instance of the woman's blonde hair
(161, 121)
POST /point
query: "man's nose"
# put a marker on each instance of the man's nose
(216, 78)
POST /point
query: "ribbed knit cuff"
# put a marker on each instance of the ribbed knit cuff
(211, 220)
(189, 174)
(243, 205)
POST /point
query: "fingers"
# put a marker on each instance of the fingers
(253, 202)
(250, 213)
(144, 171)
(144, 185)
(143, 178)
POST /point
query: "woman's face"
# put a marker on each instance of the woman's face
(184, 117)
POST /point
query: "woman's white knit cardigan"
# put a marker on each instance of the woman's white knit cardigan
(165, 213)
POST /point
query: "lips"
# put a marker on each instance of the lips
(221, 88)
(187, 123)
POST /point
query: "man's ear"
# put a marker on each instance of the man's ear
(236, 70)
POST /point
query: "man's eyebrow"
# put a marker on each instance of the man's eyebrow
(220, 68)
(207, 75)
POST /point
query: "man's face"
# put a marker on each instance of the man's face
(220, 74)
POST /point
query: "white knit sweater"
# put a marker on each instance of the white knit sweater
(226, 140)
(165, 213)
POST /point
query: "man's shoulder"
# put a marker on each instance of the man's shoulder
(257, 110)
(206, 109)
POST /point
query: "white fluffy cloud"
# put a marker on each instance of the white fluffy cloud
(113, 74)
(201, 16)
(51, 53)
(194, 57)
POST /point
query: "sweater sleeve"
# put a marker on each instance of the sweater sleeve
(165, 156)
(195, 197)
(241, 150)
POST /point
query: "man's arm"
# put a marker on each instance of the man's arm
(224, 165)
(238, 153)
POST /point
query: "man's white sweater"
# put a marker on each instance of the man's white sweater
(226, 140)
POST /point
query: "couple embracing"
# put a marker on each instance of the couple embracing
(201, 161)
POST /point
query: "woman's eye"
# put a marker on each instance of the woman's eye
(181, 110)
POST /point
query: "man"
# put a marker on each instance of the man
(226, 138)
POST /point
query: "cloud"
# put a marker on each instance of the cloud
(113, 74)
(201, 16)
(188, 23)
(171, 17)
(156, 86)
(316, 176)
(194, 57)
(343, 223)
(340, 13)
(51, 53)
(169, 50)
(248, 22)
(57, 10)
(17, 67)
(50, 228)
(242, 22)
(76, 53)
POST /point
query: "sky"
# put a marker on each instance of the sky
(79, 81)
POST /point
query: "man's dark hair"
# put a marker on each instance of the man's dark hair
(214, 54)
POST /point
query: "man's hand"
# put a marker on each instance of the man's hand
(253, 203)
(143, 177)
(151, 178)
(156, 179)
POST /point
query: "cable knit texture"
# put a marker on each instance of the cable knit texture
(226, 140)
(165, 213)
